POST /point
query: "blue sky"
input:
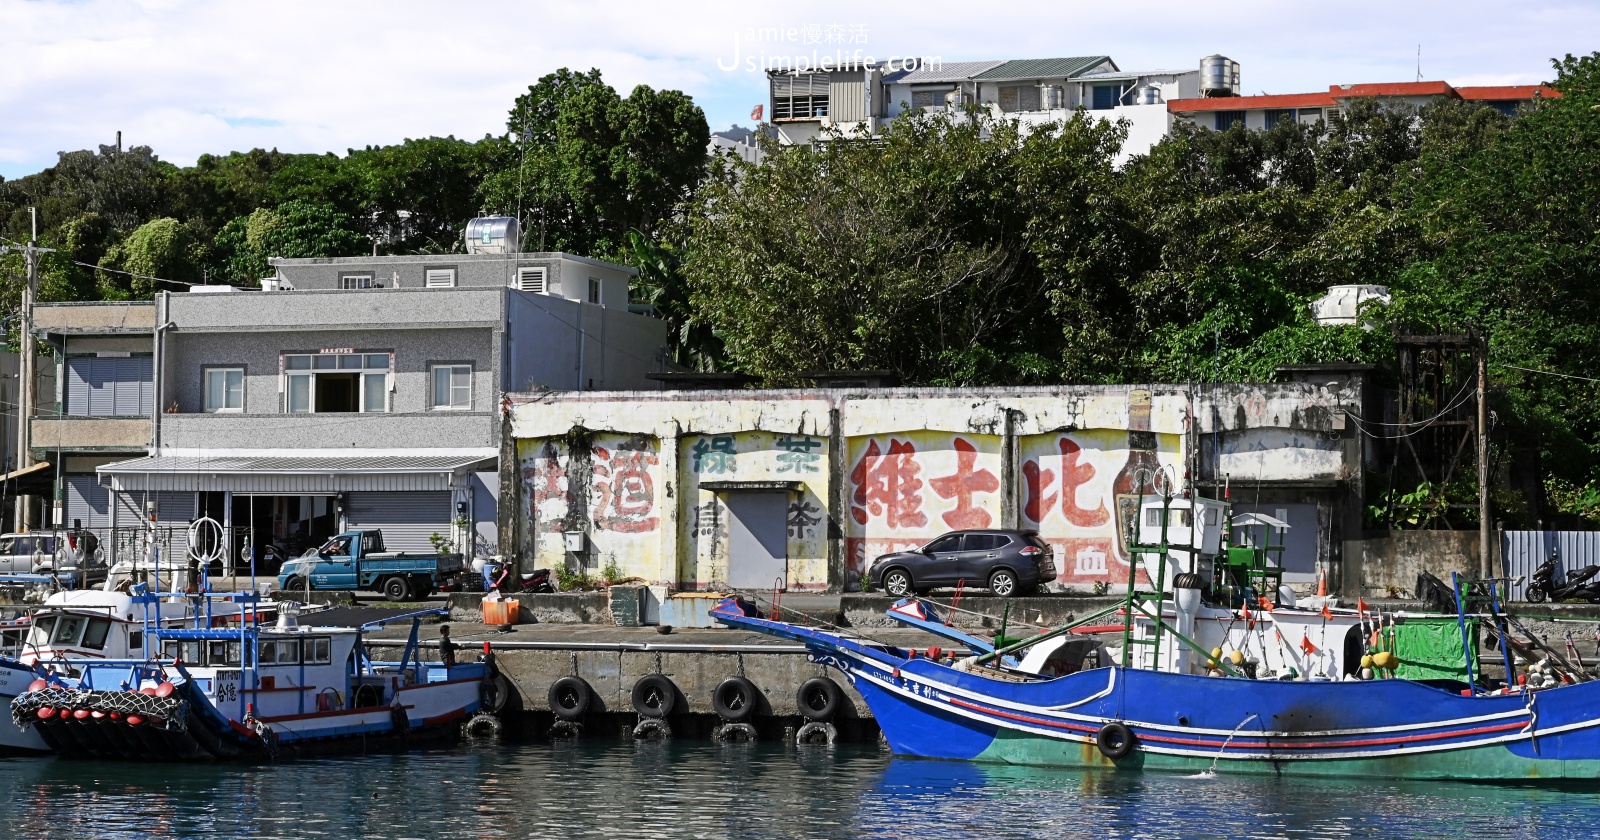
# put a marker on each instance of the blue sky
(193, 77)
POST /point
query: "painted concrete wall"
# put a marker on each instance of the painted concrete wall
(567, 275)
(877, 471)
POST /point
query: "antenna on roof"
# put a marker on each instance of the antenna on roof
(1419, 62)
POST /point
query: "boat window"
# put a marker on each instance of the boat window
(135, 640)
(222, 653)
(280, 652)
(95, 636)
(68, 631)
(319, 651)
(41, 630)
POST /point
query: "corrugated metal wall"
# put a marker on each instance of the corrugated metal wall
(87, 502)
(407, 519)
(1525, 550)
(847, 96)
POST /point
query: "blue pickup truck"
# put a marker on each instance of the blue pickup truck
(357, 560)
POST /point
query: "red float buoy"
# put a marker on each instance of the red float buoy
(135, 720)
(97, 714)
(38, 685)
(46, 713)
(116, 716)
(80, 714)
(148, 691)
(165, 689)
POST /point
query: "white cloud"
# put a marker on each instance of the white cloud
(325, 75)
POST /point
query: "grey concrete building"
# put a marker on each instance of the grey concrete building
(348, 392)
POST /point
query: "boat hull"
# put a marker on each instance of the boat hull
(1178, 722)
(14, 740)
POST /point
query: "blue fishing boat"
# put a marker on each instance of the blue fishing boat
(1274, 703)
(222, 686)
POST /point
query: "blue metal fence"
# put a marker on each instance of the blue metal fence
(1523, 551)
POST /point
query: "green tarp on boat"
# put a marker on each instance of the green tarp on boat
(1430, 649)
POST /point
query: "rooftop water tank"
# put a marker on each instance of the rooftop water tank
(494, 235)
(1341, 306)
(1219, 76)
(1148, 95)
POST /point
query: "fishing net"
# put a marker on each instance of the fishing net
(171, 711)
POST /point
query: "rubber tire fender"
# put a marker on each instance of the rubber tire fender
(658, 687)
(495, 693)
(735, 699)
(569, 698)
(818, 689)
(1115, 740)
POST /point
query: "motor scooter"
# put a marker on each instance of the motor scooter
(1580, 583)
(537, 581)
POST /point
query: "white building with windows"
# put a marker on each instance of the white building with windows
(349, 392)
(861, 100)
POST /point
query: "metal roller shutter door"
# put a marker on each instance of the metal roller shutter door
(174, 509)
(87, 502)
(407, 519)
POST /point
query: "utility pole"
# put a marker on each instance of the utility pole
(1484, 553)
(28, 356)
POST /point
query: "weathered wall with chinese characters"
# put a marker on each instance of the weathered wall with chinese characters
(871, 471)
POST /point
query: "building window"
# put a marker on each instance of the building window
(1227, 119)
(440, 278)
(594, 290)
(224, 389)
(108, 386)
(355, 281)
(452, 387)
(532, 279)
(1276, 115)
(799, 96)
(1106, 97)
(337, 382)
(1019, 98)
(1309, 116)
(930, 98)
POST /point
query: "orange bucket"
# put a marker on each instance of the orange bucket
(500, 612)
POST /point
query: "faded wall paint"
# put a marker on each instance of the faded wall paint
(905, 489)
(897, 467)
(761, 457)
(1080, 489)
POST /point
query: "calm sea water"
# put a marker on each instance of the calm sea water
(698, 790)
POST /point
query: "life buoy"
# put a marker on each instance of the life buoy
(735, 699)
(569, 698)
(654, 696)
(1114, 740)
(818, 698)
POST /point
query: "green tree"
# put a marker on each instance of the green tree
(159, 249)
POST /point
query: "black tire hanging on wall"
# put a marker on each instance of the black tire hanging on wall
(496, 693)
(569, 698)
(1114, 740)
(654, 696)
(735, 699)
(818, 698)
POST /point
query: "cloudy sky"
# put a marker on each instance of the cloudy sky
(325, 75)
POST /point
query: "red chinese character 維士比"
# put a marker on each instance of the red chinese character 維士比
(888, 485)
(966, 481)
(1041, 497)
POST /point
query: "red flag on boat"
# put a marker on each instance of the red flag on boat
(1361, 605)
(1265, 603)
(1326, 613)
(1307, 646)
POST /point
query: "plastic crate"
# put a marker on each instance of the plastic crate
(500, 612)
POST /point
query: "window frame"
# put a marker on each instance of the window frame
(362, 373)
(205, 388)
(448, 274)
(356, 282)
(596, 291)
(1224, 120)
(433, 393)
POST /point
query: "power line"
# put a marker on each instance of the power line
(1552, 373)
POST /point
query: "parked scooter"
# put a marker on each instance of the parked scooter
(1580, 583)
(537, 581)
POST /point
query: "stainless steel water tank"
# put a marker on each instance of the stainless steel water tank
(1148, 95)
(1219, 76)
(494, 235)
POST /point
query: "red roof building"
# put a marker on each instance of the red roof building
(1261, 112)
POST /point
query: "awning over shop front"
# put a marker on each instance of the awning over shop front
(37, 480)
(290, 474)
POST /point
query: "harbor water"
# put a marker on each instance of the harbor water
(615, 789)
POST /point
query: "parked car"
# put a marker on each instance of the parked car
(22, 554)
(1005, 562)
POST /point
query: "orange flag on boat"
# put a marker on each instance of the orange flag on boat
(1264, 603)
(1361, 605)
(1326, 613)
(1307, 646)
